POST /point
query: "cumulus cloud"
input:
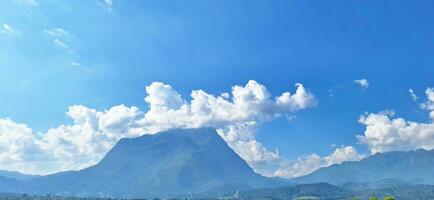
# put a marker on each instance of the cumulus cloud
(236, 116)
(363, 83)
(65, 147)
(429, 104)
(308, 164)
(383, 133)
(17, 144)
(341, 155)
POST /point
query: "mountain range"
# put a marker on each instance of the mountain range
(16, 175)
(172, 163)
(199, 163)
(410, 167)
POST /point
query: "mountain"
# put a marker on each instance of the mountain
(172, 163)
(419, 192)
(378, 184)
(415, 167)
(16, 175)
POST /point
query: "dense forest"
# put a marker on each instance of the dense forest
(319, 191)
(11, 196)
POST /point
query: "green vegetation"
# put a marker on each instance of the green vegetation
(385, 198)
(10, 196)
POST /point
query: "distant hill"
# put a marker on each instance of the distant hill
(379, 184)
(304, 191)
(415, 167)
(325, 191)
(173, 163)
(415, 192)
(16, 175)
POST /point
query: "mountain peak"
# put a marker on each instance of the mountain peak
(170, 163)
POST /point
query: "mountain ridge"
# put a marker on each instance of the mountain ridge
(171, 163)
(380, 166)
(16, 175)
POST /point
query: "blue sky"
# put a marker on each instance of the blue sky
(112, 51)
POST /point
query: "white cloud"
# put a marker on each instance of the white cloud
(75, 64)
(8, 30)
(363, 83)
(341, 155)
(237, 118)
(250, 104)
(63, 39)
(60, 38)
(302, 166)
(56, 32)
(108, 4)
(332, 91)
(308, 164)
(383, 133)
(60, 43)
(17, 145)
(429, 104)
(65, 147)
(412, 95)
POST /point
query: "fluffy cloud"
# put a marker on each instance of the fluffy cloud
(384, 133)
(246, 106)
(237, 117)
(17, 144)
(308, 164)
(75, 146)
(363, 83)
(429, 104)
(341, 155)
